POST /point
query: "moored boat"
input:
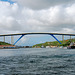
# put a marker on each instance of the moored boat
(72, 46)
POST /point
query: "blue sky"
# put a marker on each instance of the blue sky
(24, 16)
(8, 1)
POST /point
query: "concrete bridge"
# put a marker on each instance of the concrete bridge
(23, 34)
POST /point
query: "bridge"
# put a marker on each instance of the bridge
(23, 34)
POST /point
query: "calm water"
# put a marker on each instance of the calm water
(33, 61)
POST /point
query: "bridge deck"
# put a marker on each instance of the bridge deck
(37, 33)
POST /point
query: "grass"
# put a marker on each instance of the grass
(56, 43)
(4, 43)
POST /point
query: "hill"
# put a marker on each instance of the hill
(55, 43)
(4, 43)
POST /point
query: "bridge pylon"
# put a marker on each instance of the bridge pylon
(4, 38)
(62, 38)
(12, 40)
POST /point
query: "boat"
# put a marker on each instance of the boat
(72, 46)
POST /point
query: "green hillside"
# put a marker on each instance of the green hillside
(56, 43)
(4, 43)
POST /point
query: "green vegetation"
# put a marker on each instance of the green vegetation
(56, 43)
(4, 43)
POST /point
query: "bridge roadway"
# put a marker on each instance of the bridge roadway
(36, 33)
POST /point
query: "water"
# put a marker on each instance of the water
(31, 61)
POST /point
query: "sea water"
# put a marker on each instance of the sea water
(37, 61)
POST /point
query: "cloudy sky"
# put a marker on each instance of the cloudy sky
(17, 16)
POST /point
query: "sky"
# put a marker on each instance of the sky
(20, 16)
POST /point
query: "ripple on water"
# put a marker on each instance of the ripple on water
(39, 63)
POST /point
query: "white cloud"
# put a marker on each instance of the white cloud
(14, 18)
(42, 4)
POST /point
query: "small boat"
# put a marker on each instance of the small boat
(72, 46)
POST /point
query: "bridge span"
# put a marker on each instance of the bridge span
(37, 33)
(46, 33)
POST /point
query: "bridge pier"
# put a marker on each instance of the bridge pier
(70, 37)
(62, 38)
(12, 40)
(4, 38)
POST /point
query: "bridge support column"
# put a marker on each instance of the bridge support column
(12, 40)
(4, 38)
(18, 39)
(70, 37)
(62, 38)
(55, 38)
